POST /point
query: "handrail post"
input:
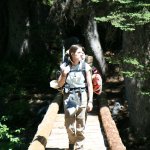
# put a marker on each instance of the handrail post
(45, 127)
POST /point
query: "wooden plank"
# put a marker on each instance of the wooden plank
(58, 138)
(94, 138)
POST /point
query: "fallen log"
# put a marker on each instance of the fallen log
(45, 127)
(110, 129)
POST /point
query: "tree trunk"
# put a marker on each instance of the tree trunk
(18, 24)
(3, 27)
(72, 11)
(92, 36)
(137, 45)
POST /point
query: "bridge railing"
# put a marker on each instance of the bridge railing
(45, 127)
(111, 132)
(112, 135)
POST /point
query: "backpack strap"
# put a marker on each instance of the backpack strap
(80, 69)
(84, 70)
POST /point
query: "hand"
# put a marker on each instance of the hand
(66, 70)
(89, 106)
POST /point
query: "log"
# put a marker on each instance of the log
(45, 127)
(111, 131)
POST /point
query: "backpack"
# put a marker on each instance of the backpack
(96, 81)
(96, 77)
(76, 78)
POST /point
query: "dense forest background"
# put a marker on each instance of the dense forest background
(32, 36)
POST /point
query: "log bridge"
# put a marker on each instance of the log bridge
(101, 131)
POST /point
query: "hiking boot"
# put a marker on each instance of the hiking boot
(71, 147)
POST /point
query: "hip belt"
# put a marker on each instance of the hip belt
(76, 90)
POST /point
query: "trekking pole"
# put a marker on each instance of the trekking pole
(63, 56)
(63, 51)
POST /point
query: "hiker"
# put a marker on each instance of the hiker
(78, 96)
(96, 76)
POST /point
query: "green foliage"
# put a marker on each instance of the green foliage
(123, 1)
(9, 138)
(48, 2)
(133, 61)
(134, 65)
(95, 1)
(145, 93)
(135, 69)
(126, 14)
(129, 74)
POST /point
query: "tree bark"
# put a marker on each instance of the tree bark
(18, 20)
(137, 45)
(3, 27)
(92, 36)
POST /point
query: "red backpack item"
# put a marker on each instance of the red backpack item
(96, 81)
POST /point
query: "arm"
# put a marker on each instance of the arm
(90, 90)
(63, 76)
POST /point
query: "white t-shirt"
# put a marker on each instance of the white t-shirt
(77, 79)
